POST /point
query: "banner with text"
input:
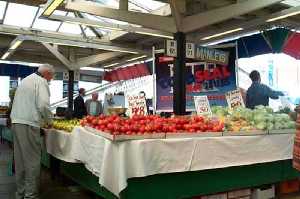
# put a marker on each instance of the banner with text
(213, 79)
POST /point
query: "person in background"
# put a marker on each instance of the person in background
(94, 106)
(30, 111)
(79, 106)
(258, 93)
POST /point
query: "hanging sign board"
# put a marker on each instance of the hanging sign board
(202, 105)
(190, 50)
(212, 55)
(198, 52)
(171, 48)
(137, 105)
(234, 99)
(76, 75)
(65, 76)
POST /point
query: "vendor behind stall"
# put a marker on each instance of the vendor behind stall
(79, 106)
(258, 93)
(94, 106)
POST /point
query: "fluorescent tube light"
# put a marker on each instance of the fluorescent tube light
(110, 65)
(93, 25)
(223, 33)
(283, 16)
(136, 58)
(5, 55)
(155, 34)
(15, 44)
(51, 7)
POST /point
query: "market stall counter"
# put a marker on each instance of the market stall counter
(171, 167)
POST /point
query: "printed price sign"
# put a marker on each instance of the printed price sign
(202, 105)
(171, 48)
(234, 99)
(137, 105)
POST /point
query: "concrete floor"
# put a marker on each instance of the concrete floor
(49, 189)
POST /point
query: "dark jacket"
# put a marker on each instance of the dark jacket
(259, 94)
(79, 107)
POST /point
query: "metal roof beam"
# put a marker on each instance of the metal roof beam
(246, 25)
(176, 7)
(147, 20)
(197, 21)
(71, 40)
(60, 56)
(93, 59)
(106, 25)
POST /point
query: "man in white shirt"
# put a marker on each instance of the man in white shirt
(30, 111)
(94, 106)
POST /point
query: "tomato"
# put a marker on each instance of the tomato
(94, 122)
(110, 127)
(142, 129)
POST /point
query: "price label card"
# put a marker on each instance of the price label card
(202, 105)
(234, 99)
(171, 48)
(137, 105)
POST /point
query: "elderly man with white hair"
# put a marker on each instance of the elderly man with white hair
(30, 111)
(94, 106)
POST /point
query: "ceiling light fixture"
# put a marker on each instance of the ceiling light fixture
(223, 33)
(136, 58)
(155, 34)
(94, 25)
(51, 7)
(15, 45)
(5, 55)
(110, 65)
(283, 16)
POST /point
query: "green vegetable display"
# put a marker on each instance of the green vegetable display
(261, 118)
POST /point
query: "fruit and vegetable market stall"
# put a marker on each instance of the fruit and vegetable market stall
(189, 156)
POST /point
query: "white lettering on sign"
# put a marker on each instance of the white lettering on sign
(171, 48)
(190, 50)
(234, 99)
(212, 55)
(202, 105)
(137, 105)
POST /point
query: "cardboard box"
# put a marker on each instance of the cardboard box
(237, 194)
(290, 186)
(266, 192)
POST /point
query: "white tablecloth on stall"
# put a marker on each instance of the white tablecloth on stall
(60, 144)
(115, 162)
